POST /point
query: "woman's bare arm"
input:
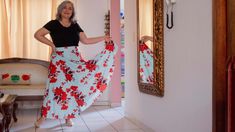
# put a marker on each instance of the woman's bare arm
(85, 40)
(147, 38)
(40, 35)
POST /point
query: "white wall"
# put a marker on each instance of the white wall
(187, 104)
(90, 16)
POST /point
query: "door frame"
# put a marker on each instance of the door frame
(219, 101)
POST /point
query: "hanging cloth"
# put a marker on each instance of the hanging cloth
(73, 83)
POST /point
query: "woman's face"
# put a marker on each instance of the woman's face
(67, 11)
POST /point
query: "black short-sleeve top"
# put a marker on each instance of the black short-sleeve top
(63, 36)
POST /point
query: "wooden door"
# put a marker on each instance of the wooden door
(223, 50)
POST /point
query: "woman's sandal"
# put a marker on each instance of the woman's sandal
(69, 123)
(38, 122)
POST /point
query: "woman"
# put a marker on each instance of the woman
(146, 60)
(65, 96)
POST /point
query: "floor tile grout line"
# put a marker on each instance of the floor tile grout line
(85, 123)
(134, 123)
(118, 112)
(106, 120)
(128, 119)
(123, 117)
(61, 125)
(36, 119)
(38, 110)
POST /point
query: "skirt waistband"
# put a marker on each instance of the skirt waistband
(67, 48)
(67, 52)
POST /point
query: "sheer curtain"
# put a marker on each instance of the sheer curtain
(19, 21)
(146, 18)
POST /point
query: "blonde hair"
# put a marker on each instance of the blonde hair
(61, 7)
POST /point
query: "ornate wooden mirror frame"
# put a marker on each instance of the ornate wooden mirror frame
(157, 87)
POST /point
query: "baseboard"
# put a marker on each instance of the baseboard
(139, 123)
(36, 104)
(118, 104)
(29, 104)
(100, 103)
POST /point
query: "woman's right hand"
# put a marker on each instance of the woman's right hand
(53, 48)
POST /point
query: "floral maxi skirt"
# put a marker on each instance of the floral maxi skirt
(74, 84)
(146, 64)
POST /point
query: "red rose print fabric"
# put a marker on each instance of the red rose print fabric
(73, 83)
(146, 64)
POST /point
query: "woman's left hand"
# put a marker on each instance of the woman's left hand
(107, 38)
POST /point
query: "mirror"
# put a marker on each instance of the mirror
(150, 47)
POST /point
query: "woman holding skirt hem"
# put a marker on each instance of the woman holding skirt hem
(73, 83)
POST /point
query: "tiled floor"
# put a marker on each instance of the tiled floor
(94, 119)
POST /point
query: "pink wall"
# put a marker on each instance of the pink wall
(115, 92)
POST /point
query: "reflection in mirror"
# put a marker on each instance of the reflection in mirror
(150, 46)
(146, 45)
(146, 62)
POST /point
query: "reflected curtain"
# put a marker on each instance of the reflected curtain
(19, 21)
(146, 18)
